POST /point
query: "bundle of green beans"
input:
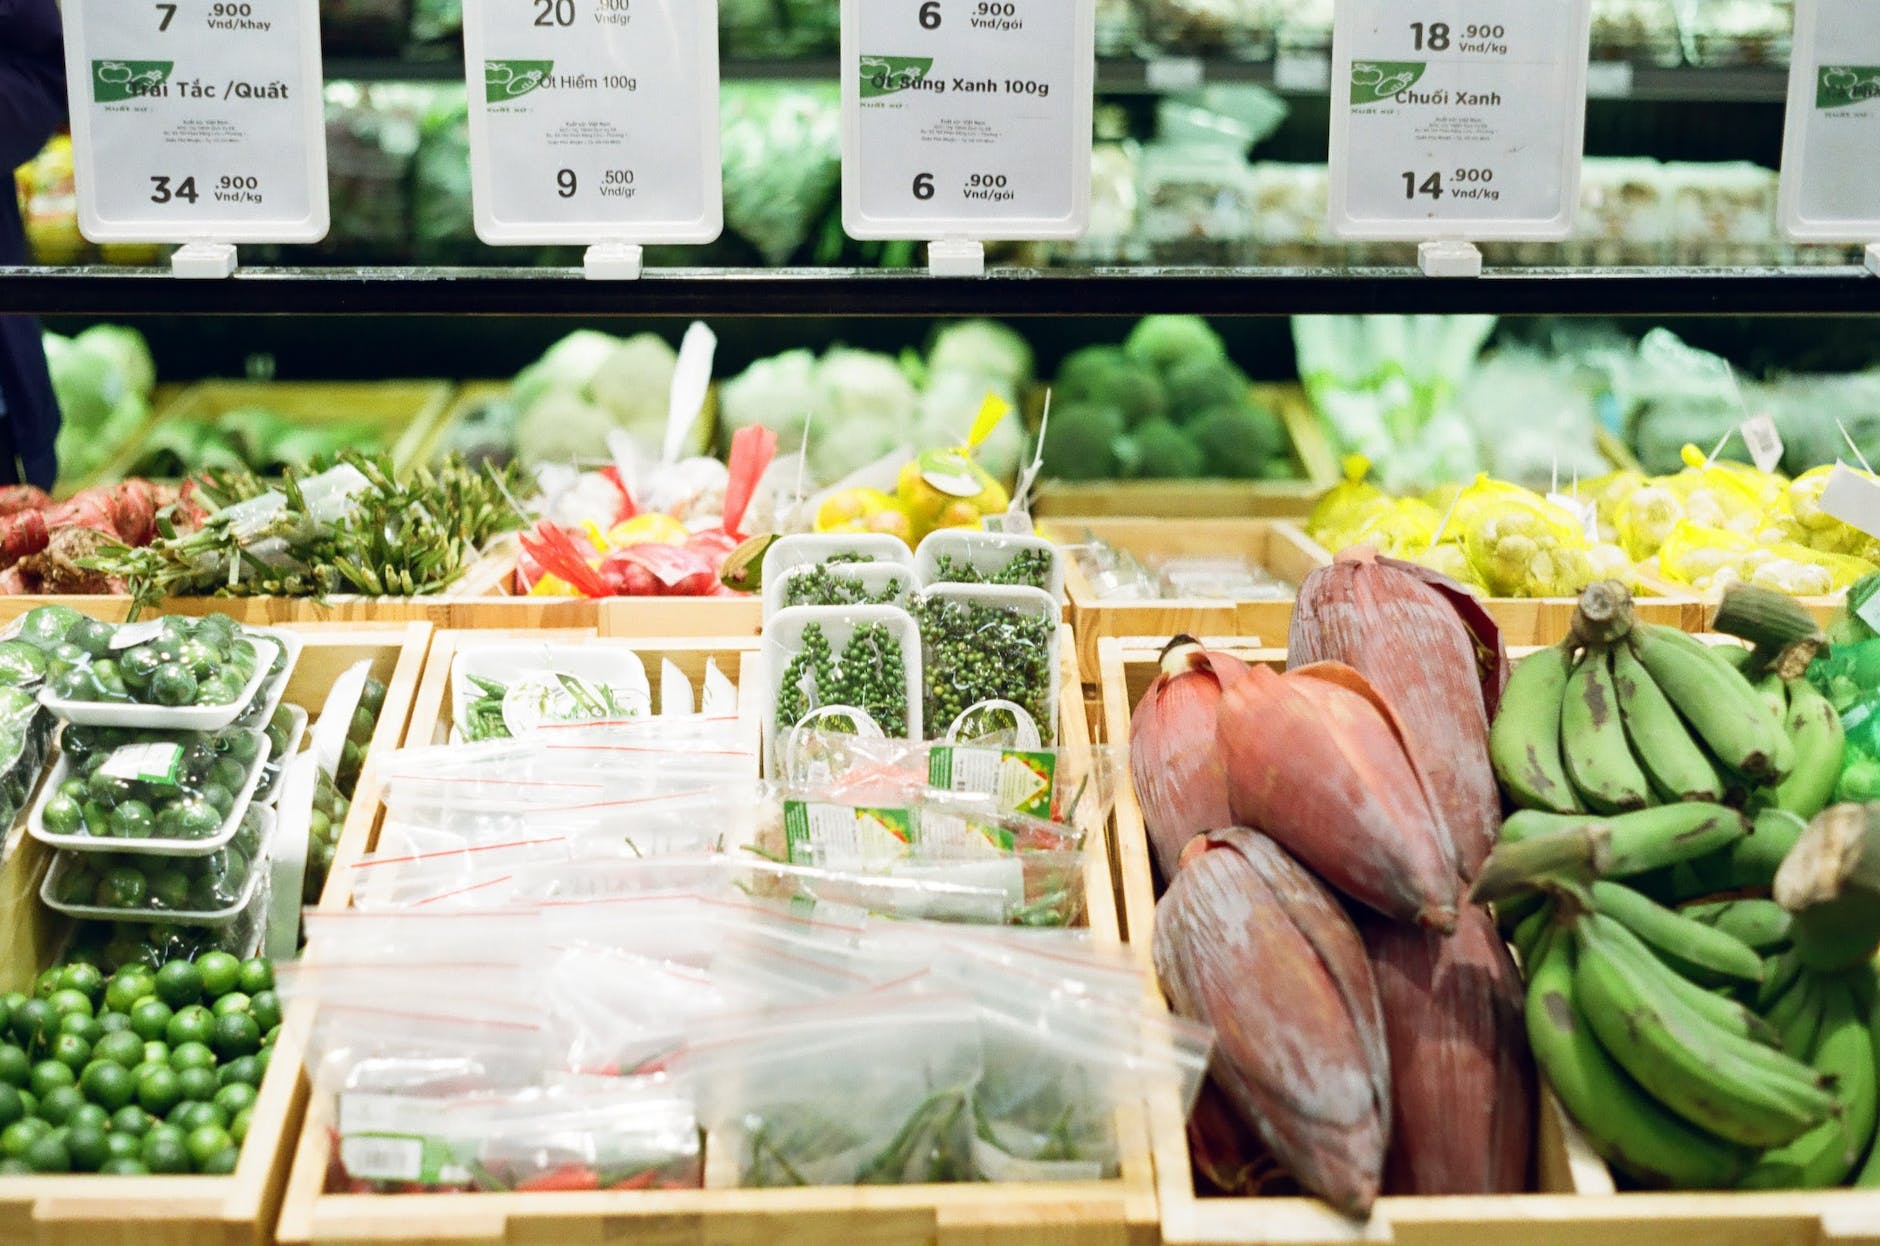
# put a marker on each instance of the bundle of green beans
(397, 538)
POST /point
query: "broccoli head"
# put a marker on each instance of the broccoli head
(1199, 385)
(1163, 343)
(1081, 440)
(1238, 441)
(1084, 373)
(1161, 451)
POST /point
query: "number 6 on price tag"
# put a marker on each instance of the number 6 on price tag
(197, 121)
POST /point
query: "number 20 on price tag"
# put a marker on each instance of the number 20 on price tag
(1457, 120)
(966, 119)
(197, 120)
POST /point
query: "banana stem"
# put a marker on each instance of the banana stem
(1604, 614)
(1566, 858)
(1830, 882)
(1785, 634)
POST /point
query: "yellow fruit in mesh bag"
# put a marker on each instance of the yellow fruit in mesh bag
(1506, 529)
(1608, 494)
(1450, 559)
(1707, 558)
(1406, 528)
(1609, 562)
(1646, 518)
(1345, 505)
(1786, 575)
(1820, 530)
(1443, 496)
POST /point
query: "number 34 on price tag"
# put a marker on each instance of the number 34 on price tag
(966, 119)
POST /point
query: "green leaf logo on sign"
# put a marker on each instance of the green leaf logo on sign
(890, 75)
(114, 81)
(506, 81)
(1840, 86)
(1373, 82)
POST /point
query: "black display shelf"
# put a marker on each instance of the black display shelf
(1008, 293)
(1300, 75)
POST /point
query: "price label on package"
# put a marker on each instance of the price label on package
(593, 120)
(966, 119)
(197, 120)
(1830, 176)
(1457, 119)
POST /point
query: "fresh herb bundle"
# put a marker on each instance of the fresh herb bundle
(871, 675)
(973, 652)
(1029, 568)
(393, 539)
(796, 1146)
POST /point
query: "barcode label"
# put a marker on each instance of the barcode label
(1764, 442)
(382, 1159)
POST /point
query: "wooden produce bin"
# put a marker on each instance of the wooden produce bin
(1576, 1203)
(239, 1209)
(1119, 1212)
(1278, 547)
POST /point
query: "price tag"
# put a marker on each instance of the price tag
(1853, 499)
(966, 119)
(197, 120)
(593, 121)
(1764, 442)
(1457, 119)
(1830, 179)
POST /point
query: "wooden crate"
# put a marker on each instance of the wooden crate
(1121, 1212)
(1279, 547)
(239, 1209)
(409, 412)
(1577, 1203)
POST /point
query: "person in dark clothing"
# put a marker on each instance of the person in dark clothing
(32, 108)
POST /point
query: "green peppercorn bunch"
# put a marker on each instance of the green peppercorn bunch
(973, 652)
(819, 586)
(870, 675)
(1029, 568)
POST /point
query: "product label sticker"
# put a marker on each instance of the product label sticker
(1021, 780)
(1763, 441)
(845, 836)
(593, 121)
(131, 635)
(1458, 119)
(197, 121)
(966, 119)
(160, 763)
(1830, 179)
(393, 1138)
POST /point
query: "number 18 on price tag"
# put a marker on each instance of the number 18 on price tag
(966, 121)
(594, 121)
(1457, 120)
(199, 122)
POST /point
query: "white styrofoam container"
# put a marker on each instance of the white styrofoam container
(257, 870)
(168, 717)
(987, 553)
(272, 775)
(875, 577)
(783, 640)
(610, 662)
(1021, 599)
(154, 846)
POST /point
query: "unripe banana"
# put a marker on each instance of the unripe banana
(1694, 950)
(1674, 762)
(1844, 1052)
(1725, 712)
(1524, 742)
(1628, 1128)
(1796, 1013)
(1652, 839)
(1592, 740)
(1820, 746)
(1762, 924)
(1720, 1010)
(1780, 973)
(1775, 694)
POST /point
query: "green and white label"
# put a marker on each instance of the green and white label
(845, 836)
(593, 121)
(197, 120)
(1020, 780)
(1830, 176)
(1457, 120)
(966, 119)
(158, 763)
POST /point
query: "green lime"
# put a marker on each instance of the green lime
(63, 815)
(88, 1114)
(30, 1102)
(193, 1024)
(190, 1116)
(48, 982)
(83, 978)
(221, 973)
(64, 1002)
(150, 1019)
(169, 889)
(124, 1166)
(127, 986)
(49, 1075)
(48, 1154)
(159, 1091)
(17, 1137)
(123, 1146)
(88, 1147)
(15, 1066)
(33, 1022)
(108, 1084)
(191, 1056)
(179, 984)
(58, 1104)
(206, 1141)
(223, 1162)
(236, 1035)
(112, 1022)
(234, 1001)
(235, 1098)
(257, 975)
(11, 1109)
(121, 1048)
(197, 1084)
(132, 1121)
(164, 1150)
(157, 1053)
(238, 1128)
(265, 1008)
(85, 1027)
(71, 1051)
(245, 1070)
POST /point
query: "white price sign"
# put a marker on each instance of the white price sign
(593, 120)
(1457, 119)
(197, 120)
(1830, 176)
(966, 119)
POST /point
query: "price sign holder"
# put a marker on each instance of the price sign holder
(197, 122)
(965, 122)
(1456, 122)
(1830, 179)
(594, 121)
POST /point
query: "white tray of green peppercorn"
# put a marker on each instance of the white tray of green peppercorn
(1026, 678)
(968, 556)
(212, 890)
(200, 824)
(786, 636)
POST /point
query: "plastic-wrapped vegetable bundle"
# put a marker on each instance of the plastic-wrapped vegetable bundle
(782, 161)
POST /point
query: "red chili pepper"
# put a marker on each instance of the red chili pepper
(567, 1177)
(642, 1180)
